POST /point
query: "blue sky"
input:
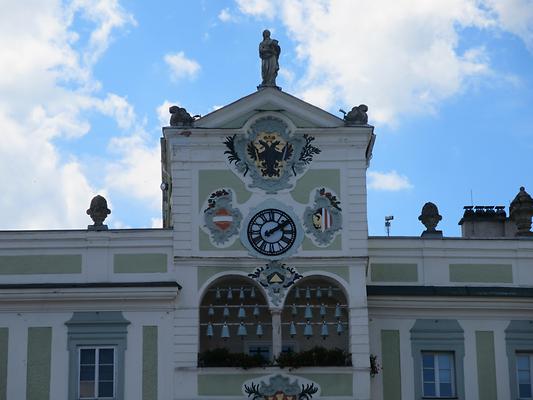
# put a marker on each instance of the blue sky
(85, 88)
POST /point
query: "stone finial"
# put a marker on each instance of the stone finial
(521, 211)
(269, 51)
(180, 117)
(98, 212)
(357, 115)
(430, 217)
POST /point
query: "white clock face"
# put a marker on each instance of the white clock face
(271, 232)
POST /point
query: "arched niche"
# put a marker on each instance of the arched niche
(315, 313)
(223, 316)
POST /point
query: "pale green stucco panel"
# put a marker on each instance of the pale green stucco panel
(486, 365)
(231, 385)
(39, 358)
(308, 244)
(332, 384)
(481, 273)
(205, 244)
(317, 178)
(390, 361)
(343, 272)
(149, 373)
(210, 180)
(4, 341)
(389, 272)
(140, 263)
(40, 264)
(223, 385)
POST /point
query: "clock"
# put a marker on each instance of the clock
(271, 232)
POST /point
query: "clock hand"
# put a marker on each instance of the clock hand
(277, 228)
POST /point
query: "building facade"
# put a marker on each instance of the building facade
(264, 283)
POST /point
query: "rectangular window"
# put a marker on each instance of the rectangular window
(523, 369)
(438, 374)
(96, 373)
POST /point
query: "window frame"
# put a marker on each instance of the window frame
(529, 355)
(518, 340)
(92, 329)
(437, 382)
(438, 335)
(97, 371)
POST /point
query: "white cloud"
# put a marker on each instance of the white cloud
(388, 181)
(225, 16)
(398, 57)
(46, 87)
(137, 171)
(163, 115)
(181, 66)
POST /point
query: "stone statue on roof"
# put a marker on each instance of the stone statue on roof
(269, 52)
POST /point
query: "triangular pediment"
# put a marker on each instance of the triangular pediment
(301, 113)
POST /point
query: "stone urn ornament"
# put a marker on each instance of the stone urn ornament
(521, 211)
(430, 217)
(98, 212)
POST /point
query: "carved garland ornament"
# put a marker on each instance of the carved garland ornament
(323, 220)
(276, 278)
(269, 155)
(281, 387)
(221, 219)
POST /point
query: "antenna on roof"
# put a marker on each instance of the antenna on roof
(388, 219)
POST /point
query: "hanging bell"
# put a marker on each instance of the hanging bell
(294, 310)
(297, 293)
(292, 329)
(225, 331)
(324, 331)
(209, 330)
(330, 292)
(256, 311)
(338, 311)
(242, 330)
(225, 314)
(307, 293)
(242, 313)
(259, 330)
(252, 293)
(230, 293)
(241, 293)
(340, 328)
(308, 330)
(318, 293)
(217, 294)
(308, 312)
(322, 310)
(210, 310)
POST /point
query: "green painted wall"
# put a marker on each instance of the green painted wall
(486, 365)
(390, 362)
(230, 385)
(223, 385)
(39, 359)
(393, 272)
(40, 264)
(332, 384)
(210, 180)
(317, 178)
(149, 374)
(482, 273)
(139, 263)
(4, 341)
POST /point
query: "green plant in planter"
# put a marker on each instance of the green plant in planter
(315, 357)
(221, 357)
